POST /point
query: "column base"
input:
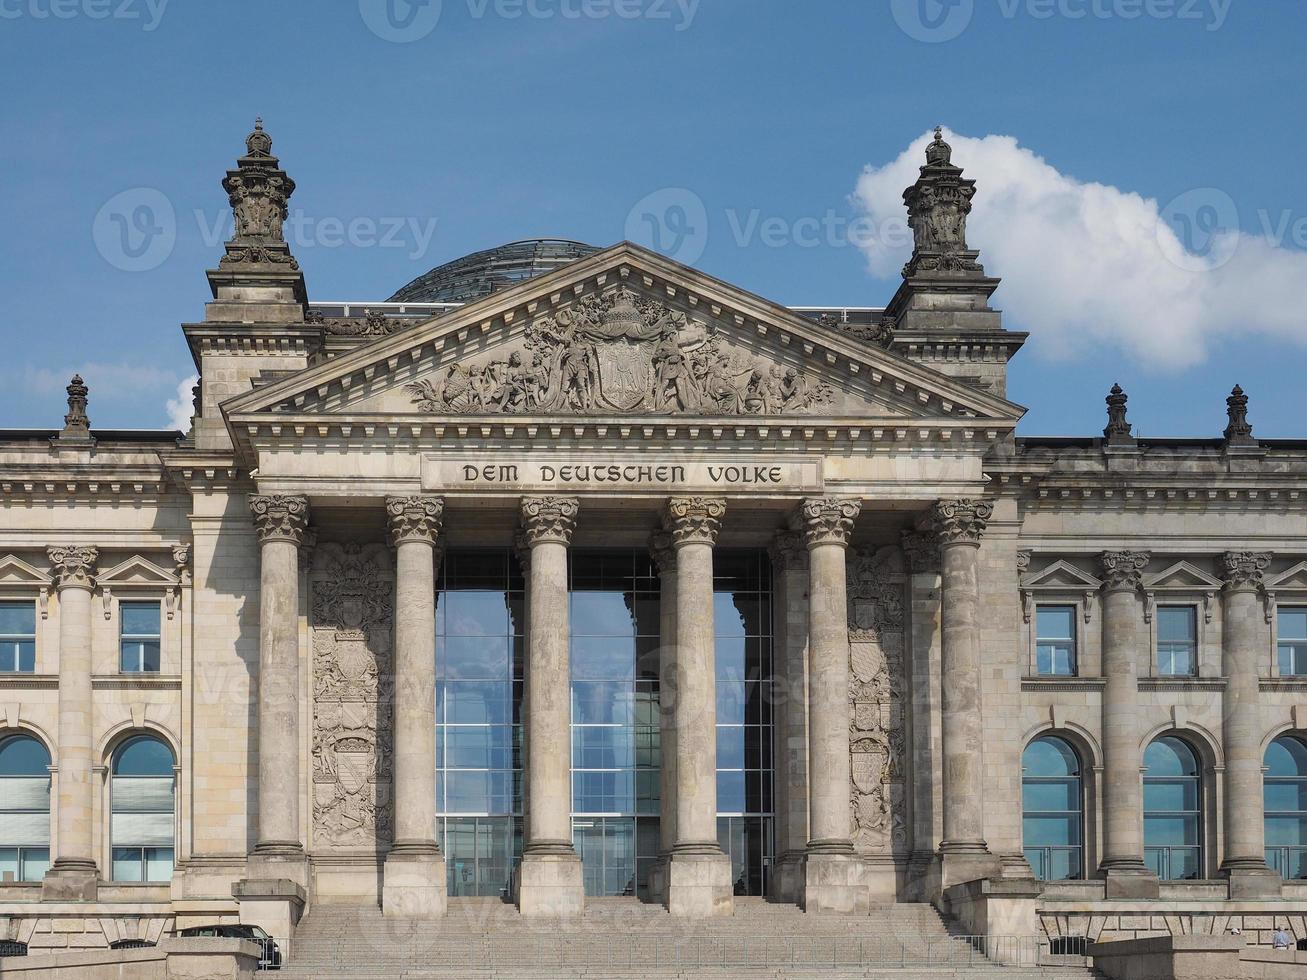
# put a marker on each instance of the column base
(71, 881)
(699, 884)
(550, 885)
(413, 883)
(836, 883)
(1130, 880)
(961, 861)
(787, 878)
(1253, 882)
(278, 861)
(273, 904)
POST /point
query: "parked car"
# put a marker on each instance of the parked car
(271, 958)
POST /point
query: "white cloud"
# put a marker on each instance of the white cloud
(1088, 265)
(181, 407)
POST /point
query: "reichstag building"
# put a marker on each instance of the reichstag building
(573, 574)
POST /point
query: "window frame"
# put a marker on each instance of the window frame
(1075, 609)
(111, 845)
(140, 638)
(17, 638)
(1298, 603)
(1280, 861)
(22, 855)
(1082, 787)
(1198, 813)
(1195, 651)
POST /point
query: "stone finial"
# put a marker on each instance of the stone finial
(551, 519)
(1118, 429)
(1239, 432)
(77, 424)
(280, 518)
(938, 205)
(694, 519)
(1123, 571)
(960, 521)
(415, 518)
(1243, 570)
(828, 520)
(259, 191)
(920, 552)
(74, 567)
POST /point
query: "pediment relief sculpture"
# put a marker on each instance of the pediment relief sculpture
(620, 353)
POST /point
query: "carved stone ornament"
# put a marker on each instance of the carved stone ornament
(877, 743)
(74, 567)
(181, 560)
(549, 519)
(694, 519)
(619, 354)
(1239, 432)
(1243, 570)
(371, 324)
(662, 551)
(789, 550)
(1023, 562)
(1118, 428)
(353, 617)
(960, 521)
(415, 518)
(829, 520)
(938, 205)
(920, 552)
(280, 518)
(1123, 570)
(258, 191)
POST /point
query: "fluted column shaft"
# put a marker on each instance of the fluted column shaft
(74, 580)
(827, 524)
(1245, 641)
(548, 523)
(1123, 845)
(415, 525)
(281, 522)
(958, 526)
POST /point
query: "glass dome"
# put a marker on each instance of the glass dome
(482, 273)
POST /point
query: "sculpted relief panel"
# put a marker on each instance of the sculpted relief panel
(877, 736)
(353, 615)
(621, 354)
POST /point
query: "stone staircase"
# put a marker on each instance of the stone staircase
(622, 939)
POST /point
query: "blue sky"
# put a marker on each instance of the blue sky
(509, 119)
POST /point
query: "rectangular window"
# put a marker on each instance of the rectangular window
(1055, 643)
(1292, 631)
(17, 637)
(1177, 641)
(139, 637)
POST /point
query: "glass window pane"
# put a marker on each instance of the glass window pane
(23, 755)
(602, 703)
(1170, 831)
(1286, 831)
(603, 658)
(473, 658)
(1055, 622)
(1048, 831)
(1171, 795)
(128, 864)
(1169, 756)
(730, 747)
(1292, 623)
(17, 619)
(1286, 796)
(1051, 795)
(602, 614)
(731, 795)
(139, 618)
(36, 862)
(158, 864)
(1176, 624)
(476, 614)
(144, 756)
(475, 702)
(1050, 757)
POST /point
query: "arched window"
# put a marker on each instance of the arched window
(142, 800)
(1172, 809)
(1286, 806)
(1052, 809)
(24, 808)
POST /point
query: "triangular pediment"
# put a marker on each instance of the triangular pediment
(137, 571)
(1290, 578)
(1061, 575)
(1182, 575)
(15, 571)
(625, 333)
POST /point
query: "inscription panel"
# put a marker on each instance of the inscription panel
(621, 473)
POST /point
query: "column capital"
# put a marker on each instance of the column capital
(960, 521)
(279, 517)
(920, 552)
(694, 520)
(829, 520)
(74, 566)
(1123, 571)
(788, 550)
(550, 519)
(663, 551)
(1243, 570)
(415, 518)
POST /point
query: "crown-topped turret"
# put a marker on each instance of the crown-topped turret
(939, 153)
(938, 205)
(259, 143)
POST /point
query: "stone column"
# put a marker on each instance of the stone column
(699, 873)
(281, 522)
(664, 557)
(1122, 793)
(1245, 642)
(74, 876)
(414, 880)
(789, 555)
(835, 878)
(958, 526)
(549, 881)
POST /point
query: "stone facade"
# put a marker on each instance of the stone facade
(293, 538)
